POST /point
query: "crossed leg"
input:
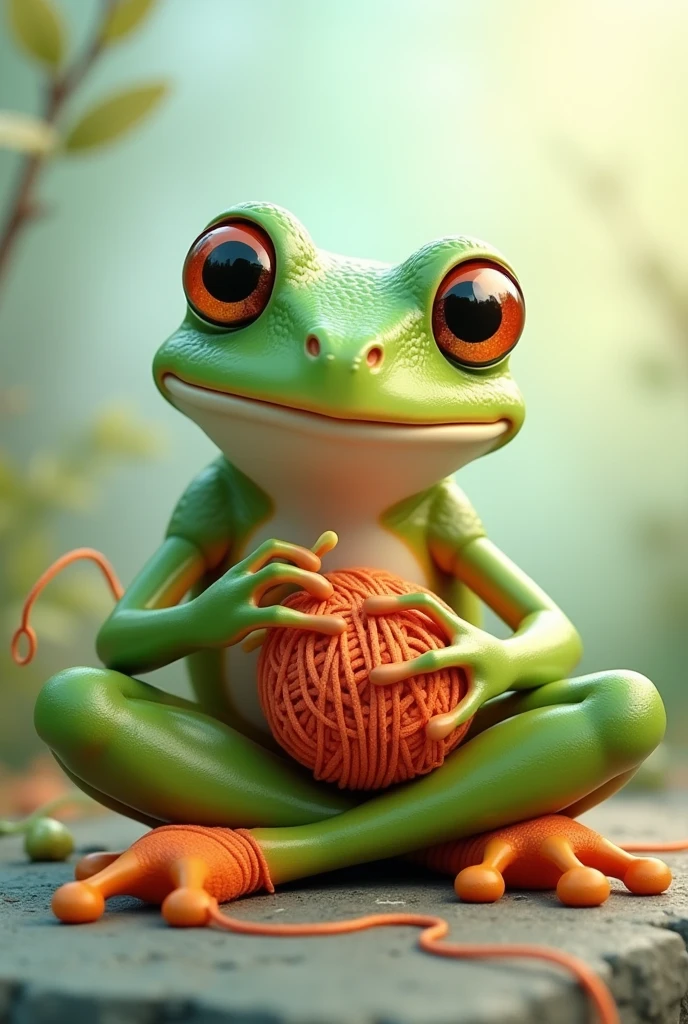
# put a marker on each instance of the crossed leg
(561, 747)
(159, 759)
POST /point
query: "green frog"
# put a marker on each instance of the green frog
(342, 395)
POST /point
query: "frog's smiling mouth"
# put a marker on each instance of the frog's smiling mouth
(244, 407)
(347, 468)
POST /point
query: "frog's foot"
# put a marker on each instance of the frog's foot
(546, 853)
(186, 868)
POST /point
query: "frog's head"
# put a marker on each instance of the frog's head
(283, 343)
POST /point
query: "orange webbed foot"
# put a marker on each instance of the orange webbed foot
(552, 852)
(186, 868)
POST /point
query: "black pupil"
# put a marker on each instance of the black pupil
(231, 271)
(471, 316)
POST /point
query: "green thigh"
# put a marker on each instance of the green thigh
(159, 759)
(557, 745)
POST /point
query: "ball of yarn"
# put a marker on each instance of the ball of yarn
(324, 711)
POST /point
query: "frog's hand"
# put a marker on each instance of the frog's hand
(326, 543)
(463, 651)
(546, 853)
(243, 600)
(544, 646)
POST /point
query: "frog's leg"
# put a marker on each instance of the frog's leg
(534, 763)
(512, 704)
(582, 734)
(158, 758)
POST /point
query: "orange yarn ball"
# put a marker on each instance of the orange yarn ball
(322, 707)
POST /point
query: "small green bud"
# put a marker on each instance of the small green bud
(48, 839)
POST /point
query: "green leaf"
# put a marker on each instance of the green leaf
(26, 559)
(26, 134)
(8, 476)
(54, 484)
(114, 117)
(125, 18)
(119, 432)
(657, 373)
(38, 28)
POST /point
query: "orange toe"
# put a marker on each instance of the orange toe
(647, 876)
(187, 908)
(583, 887)
(78, 903)
(479, 884)
(92, 863)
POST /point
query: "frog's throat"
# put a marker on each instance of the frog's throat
(300, 457)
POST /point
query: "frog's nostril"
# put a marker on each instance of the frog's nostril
(374, 357)
(313, 346)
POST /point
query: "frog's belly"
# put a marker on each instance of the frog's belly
(369, 545)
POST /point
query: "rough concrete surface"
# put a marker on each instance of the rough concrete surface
(132, 969)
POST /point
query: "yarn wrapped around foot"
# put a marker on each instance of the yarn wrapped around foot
(324, 711)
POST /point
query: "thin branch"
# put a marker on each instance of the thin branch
(23, 208)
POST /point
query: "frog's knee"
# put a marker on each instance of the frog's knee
(72, 709)
(631, 714)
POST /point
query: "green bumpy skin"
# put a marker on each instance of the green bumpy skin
(318, 435)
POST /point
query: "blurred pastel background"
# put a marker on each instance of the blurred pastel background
(551, 129)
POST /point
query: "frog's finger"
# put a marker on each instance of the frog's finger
(278, 615)
(254, 640)
(282, 549)
(421, 602)
(440, 726)
(325, 543)
(277, 573)
(398, 671)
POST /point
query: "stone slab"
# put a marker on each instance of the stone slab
(130, 968)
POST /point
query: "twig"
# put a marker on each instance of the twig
(23, 207)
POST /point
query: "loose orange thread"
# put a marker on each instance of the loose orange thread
(321, 707)
(671, 847)
(434, 930)
(25, 629)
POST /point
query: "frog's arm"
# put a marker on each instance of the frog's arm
(545, 646)
(149, 627)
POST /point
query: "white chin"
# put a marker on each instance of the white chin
(360, 463)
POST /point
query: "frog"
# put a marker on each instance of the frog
(342, 395)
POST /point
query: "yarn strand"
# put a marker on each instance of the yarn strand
(434, 930)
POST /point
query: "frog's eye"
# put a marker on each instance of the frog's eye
(229, 273)
(478, 313)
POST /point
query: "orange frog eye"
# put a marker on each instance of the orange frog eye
(229, 273)
(478, 313)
